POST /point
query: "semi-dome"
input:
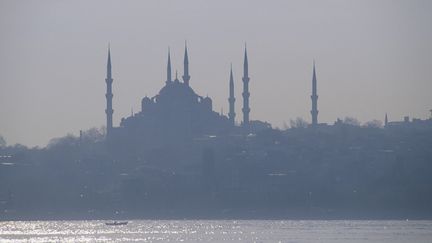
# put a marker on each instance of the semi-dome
(145, 103)
(146, 100)
(207, 102)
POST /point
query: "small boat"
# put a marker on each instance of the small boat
(116, 223)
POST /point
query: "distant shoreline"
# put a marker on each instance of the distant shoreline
(218, 215)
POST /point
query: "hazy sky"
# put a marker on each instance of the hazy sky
(372, 57)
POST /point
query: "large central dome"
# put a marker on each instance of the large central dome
(177, 92)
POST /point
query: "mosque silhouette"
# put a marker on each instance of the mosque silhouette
(178, 114)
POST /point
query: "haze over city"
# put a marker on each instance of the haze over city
(372, 58)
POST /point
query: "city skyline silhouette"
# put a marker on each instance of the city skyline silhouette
(369, 60)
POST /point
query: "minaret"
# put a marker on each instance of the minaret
(231, 99)
(186, 76)
(385, 120)
(314, 97)
(169, 80)
(109, 110)
(246, 93)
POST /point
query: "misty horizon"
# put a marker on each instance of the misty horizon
(372, 58)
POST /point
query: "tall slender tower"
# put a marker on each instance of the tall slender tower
(246, 93)
(385, 120)
(231, 99)
(109, 95)
(186, 76)
(169, 80)
(314, 97)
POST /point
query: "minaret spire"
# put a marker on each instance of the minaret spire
(109, 95)
(245, 64)
(186, 76)
(246, 94)
(109, 62)
(169, 67)
(314, 97)
(231, 99)
(176, 77)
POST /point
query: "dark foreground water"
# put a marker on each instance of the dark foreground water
(218, 231)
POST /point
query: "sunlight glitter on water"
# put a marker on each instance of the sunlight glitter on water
(217, 231)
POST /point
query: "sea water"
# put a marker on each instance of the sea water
(218, 231)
